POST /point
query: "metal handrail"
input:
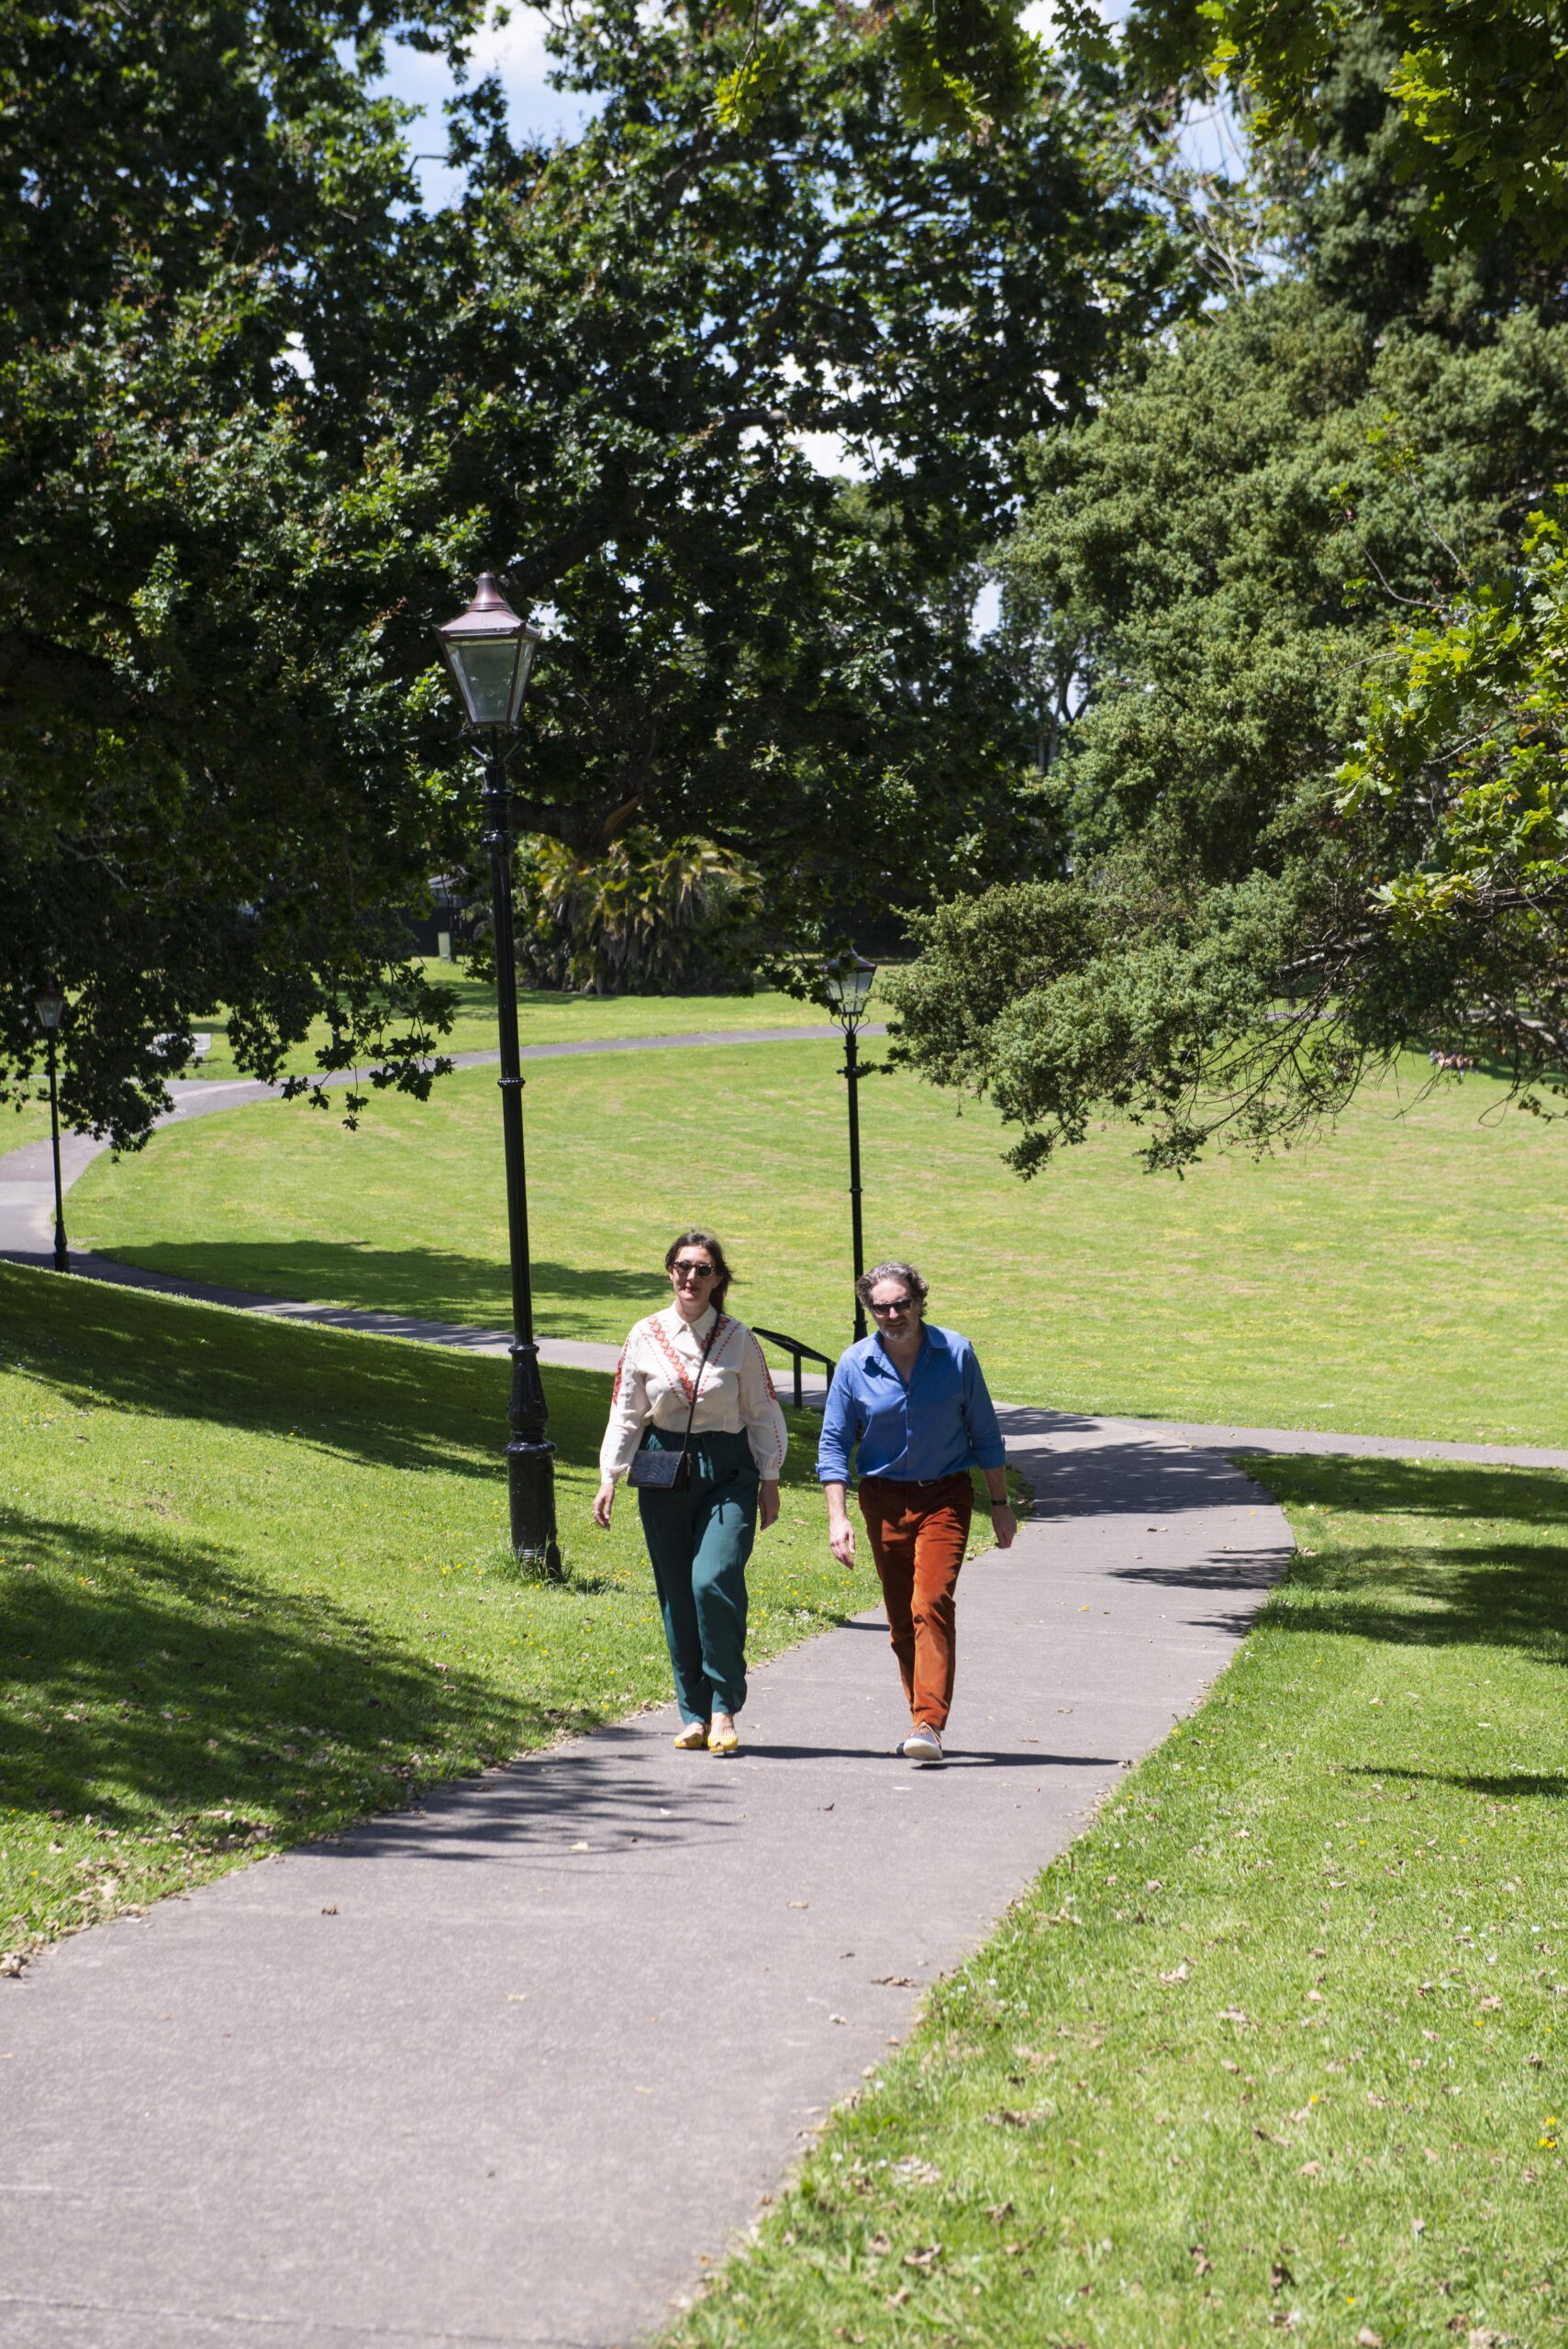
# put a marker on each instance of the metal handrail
(792, 1346)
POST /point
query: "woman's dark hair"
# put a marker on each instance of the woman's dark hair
(891, 1272)
(715, 1252)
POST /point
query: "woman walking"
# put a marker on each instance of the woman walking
(692, 1390)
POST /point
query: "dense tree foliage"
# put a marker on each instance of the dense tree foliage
(1464, 754)
(1479, 121)
(1218, 557)
(650, 916)
(205, 790)
(262, 415)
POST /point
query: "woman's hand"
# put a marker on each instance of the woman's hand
(768, 1502)
(604, 1501)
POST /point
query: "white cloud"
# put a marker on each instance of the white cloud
(1039, 16)
(987, 610)
(515, 50)
(828, 453)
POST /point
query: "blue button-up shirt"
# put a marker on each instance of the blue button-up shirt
(943, 1421)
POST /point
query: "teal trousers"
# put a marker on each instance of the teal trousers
(699, 1541)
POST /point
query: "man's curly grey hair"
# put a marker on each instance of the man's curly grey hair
(891, 1272)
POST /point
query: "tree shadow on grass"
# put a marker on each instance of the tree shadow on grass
(371, 1399)
(1509, 1786)
(150, 1678)
(1502, 1581)
(432, 1284)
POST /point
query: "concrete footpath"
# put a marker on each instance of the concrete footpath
(513, 2067)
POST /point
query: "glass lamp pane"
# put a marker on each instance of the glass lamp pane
(51, 1006)
(525, 662)
(486, 671)
(849, 987)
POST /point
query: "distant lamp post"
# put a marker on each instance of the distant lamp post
(489, 652)
(445, 900)
(50, 1004)
(847, 984)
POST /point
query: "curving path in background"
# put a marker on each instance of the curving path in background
(27, 1225)
(27, 1176)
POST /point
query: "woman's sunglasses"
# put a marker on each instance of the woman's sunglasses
(693, 1272)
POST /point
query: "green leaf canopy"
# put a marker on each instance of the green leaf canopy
(263, 416)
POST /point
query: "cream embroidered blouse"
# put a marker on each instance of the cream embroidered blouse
(657, 1372)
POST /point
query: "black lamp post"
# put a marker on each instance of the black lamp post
(848, 986)
(489, 652)
(50, 1004)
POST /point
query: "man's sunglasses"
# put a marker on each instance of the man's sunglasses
(899, 1305)
(694, 1271)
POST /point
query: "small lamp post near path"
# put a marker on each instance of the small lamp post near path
(50, 1004)
(847, 985)
(489, 652)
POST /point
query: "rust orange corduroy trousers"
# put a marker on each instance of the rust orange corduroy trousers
(918, 1535)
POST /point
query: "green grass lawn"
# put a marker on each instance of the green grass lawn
(253, 1585)
(1404, 1275)
(23, 1121)
(1279, 2046)
(547, 1018)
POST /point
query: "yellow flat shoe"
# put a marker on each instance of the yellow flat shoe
(723, 1741)
(692, 1738)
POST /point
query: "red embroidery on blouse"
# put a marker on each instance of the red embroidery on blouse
(657, 1325)
(621, 1365)
(767, 1374)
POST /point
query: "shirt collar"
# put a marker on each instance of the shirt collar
(878, 1352)
(679, 1326)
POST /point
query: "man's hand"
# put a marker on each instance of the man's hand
(840, 1532)
(1004, 1525)
(604, 1501)
(768, 1503)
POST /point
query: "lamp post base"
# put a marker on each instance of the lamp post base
(530, 1488)
(530, 1466)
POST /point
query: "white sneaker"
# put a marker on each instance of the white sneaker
(923, 1745)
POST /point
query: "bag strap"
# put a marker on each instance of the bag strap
(696, 1390)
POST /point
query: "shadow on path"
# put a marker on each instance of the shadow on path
(1121, 1479)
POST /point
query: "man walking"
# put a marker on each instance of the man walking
(913, 1401)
